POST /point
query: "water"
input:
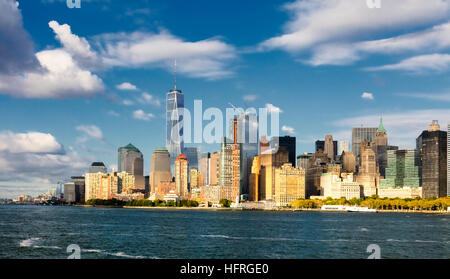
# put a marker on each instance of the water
(45, 232)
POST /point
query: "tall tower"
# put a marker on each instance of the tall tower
(360, 135)
(329, 147)
(432, 145)
(182, 176)
(381, 144)
(131, 161)
(160, 168)
(174, 122)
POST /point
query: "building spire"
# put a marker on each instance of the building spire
(175, 74)
(381, 126)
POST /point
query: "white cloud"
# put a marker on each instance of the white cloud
(78, 47)
(445, 97)
(250, 98)
(367, 96)
(272, 109)
(148, 99)
(35, 158)
(322, 21)
(419, 64)
(90, 131)
(343, 40)
(126, 86)
(61, 78)
(204, 59)
(288, 130)
(141, 115)
(31, 142)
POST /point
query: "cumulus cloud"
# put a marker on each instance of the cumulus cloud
(141, 115)
(288, 130)
(203, 59)
(31, 142)
(89, 132)
(62, 78)
(77, 46)
(367, 96)
(16, 47)
(126, 86)
(35, 157)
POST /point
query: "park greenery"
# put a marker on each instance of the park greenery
(225, 202)
(111, 202)
(375, 202)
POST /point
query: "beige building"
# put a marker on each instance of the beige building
(368, 174)
(195, 178)
(289, 184)
(254, 180)
(160, 168)
(107, 186)
(214, 169)
(348, 162)
(401, 193)
(181, 176)
(337, 187)
(269, 162)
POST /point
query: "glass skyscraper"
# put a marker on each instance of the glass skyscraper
(174, 129)
(403, 169)
(362, 134)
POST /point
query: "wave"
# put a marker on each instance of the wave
(29, 242)
(221, 236)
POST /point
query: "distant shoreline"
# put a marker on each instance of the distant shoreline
(246, 209)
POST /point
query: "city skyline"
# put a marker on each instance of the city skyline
(122, 100)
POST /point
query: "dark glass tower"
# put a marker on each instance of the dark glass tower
(289, 143)
(432, 145)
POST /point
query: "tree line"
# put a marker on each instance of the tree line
(375, 202)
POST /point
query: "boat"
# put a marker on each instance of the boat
(359, 209)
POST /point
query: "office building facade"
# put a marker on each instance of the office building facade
(360, 135)
(182, 176)
(160, 169)
(131, 160)
(289, 143)
(432, 147)
(403, 169)
(174, 125)
(289, 184)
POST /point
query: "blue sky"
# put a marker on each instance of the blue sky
(62, 106)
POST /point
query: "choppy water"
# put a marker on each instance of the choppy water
(45, 232)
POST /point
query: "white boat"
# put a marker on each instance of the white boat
(359, 209)
(333, 207)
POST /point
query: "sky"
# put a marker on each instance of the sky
(76, 84)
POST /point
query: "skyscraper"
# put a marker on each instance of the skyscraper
(448, 159)
(98, 167)
(432, 145)
(381, 145)
(403, 169)
(359, 135)
(204, 168)
(160, 168)
(344, 146)
(368, 172)
(269, 161)
(214, 169)
(303, 160)
(174, 124)
(244, 131)
(320, 145)
(348, 162)
(231, 169)
(193, 156)
(182, 176)
(131, 160)
(289, 143)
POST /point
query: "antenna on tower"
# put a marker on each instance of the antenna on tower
(175, 74)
